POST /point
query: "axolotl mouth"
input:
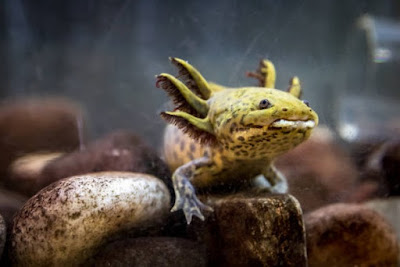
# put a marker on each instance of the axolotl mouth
(292, 124)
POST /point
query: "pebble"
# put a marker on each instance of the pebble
(3, 233)
(66, 222)
(350, 235)
(151, 251)
(37, 125)
(253, 230)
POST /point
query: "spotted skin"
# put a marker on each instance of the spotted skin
(227, 139)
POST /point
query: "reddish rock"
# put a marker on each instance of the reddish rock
(319, 171)
(28, 126)
(350, 235)
(263, 230)
(25, 173)
(383, 167)
(3, 232)
(118, 151)
(151, 251)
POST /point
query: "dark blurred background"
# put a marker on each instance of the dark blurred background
(104, 54)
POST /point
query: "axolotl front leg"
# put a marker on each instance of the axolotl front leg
(185, 194)
(272, 181)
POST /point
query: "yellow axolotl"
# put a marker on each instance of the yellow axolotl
(231, 136)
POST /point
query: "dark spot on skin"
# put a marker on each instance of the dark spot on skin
(192, 147)
(284, 109)
(241, 138)
(190, 156)
(233, 126)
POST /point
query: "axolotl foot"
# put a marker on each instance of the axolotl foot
(186, 200)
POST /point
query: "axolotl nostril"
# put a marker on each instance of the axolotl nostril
(223, 137)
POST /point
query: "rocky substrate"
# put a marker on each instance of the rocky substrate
(106, 203)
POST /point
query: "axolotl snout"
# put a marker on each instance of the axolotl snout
(228, 137)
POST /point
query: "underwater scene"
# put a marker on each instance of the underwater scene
(200, 133)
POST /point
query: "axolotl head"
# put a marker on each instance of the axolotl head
(243, 123)
(257, 122)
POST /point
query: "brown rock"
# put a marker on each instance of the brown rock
(28, 126)
(151, 251)
(319, 171)
(349, 235)
(253, 231)
(65, 223)
(3, 233)
(25, 173)
(118, 151)
(389, 208)
(383, 167)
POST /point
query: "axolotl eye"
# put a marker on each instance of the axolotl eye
(264, 104)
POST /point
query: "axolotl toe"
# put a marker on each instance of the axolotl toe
(221, 137)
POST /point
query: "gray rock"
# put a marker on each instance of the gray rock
(264, 230)
(350, 235)
(67, 221)
(151, 251)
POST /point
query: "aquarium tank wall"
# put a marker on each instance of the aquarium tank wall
(294, 171)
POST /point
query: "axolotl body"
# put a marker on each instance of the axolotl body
(227, 138)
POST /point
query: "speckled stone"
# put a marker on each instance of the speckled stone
(151, 251)
(264, 230)
(350, 235)
(67, 221)
(3, 232)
